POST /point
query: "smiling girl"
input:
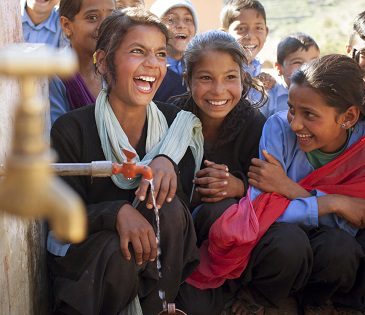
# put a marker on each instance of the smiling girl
(314, 158)
(296, 234)
(231, 127)
(116, 264)
(80, 21)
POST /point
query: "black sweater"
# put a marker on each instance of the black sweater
(238, 140)
(75, 138)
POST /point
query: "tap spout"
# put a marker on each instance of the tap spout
(130, 169)
(30, 188)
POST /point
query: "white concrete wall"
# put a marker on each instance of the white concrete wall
(22, 255)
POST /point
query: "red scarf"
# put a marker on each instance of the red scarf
(235, 234)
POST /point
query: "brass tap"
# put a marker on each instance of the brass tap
(29, 187)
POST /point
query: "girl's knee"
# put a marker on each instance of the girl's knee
(212, 211)
(288, 245)
(336, 254)
(283, 258)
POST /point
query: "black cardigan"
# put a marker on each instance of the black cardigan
(239, 136)
(75, 138)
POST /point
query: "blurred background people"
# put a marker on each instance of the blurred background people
(41, 22)
(180, 18)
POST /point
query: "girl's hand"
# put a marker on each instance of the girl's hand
(269, 176)
(350, 208)
(135, 229)
(215, 183)
(164, 180)
(267, 80)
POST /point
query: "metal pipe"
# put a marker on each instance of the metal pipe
(97, 169)
(93, 169)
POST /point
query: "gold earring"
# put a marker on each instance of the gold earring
(94, 58)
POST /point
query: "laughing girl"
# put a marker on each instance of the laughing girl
(116, 264)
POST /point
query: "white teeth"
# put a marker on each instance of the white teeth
(303, 136)
(250, 46)
(144, 88)
(144, 78)
(181, 35)
(217, 103)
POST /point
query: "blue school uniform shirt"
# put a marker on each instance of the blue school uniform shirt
(173, 83)
(254, 69)
(278, 100)
(59, 103)
(176, 66)
(48, 32)
(280, 141)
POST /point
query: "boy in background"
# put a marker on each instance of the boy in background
(245, 20)
(41, 22)
(292, 52)
(122, 4)
(356, 47)
(181, 19)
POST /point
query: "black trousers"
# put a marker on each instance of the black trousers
(337, 260)
(94, 277)
(315, 265)
(339, 270)
(279, 266)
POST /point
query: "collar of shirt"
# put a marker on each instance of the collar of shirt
(175, 65)
(254, 68)
(50, 24)
(281, 89)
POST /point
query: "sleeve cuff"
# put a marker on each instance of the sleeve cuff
(242, 177)
(176, 168)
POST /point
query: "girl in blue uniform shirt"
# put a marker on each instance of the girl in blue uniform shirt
(325, 118)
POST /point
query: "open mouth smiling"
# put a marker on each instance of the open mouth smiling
(304, 138)
(181, 36)
(250, 47)
(144, 83)
(217, 103)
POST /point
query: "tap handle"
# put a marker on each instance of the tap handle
(130, 155)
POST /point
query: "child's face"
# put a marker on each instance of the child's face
(294, 61)
(358, 51)
(82, 30)
(129, 3)
(42, 6)
(316, 124)
(216, 85)
(140, 66)
(250, 30)
(181, 24)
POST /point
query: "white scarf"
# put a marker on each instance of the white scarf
(184, 132)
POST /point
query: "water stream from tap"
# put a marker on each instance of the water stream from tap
(161, 293)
